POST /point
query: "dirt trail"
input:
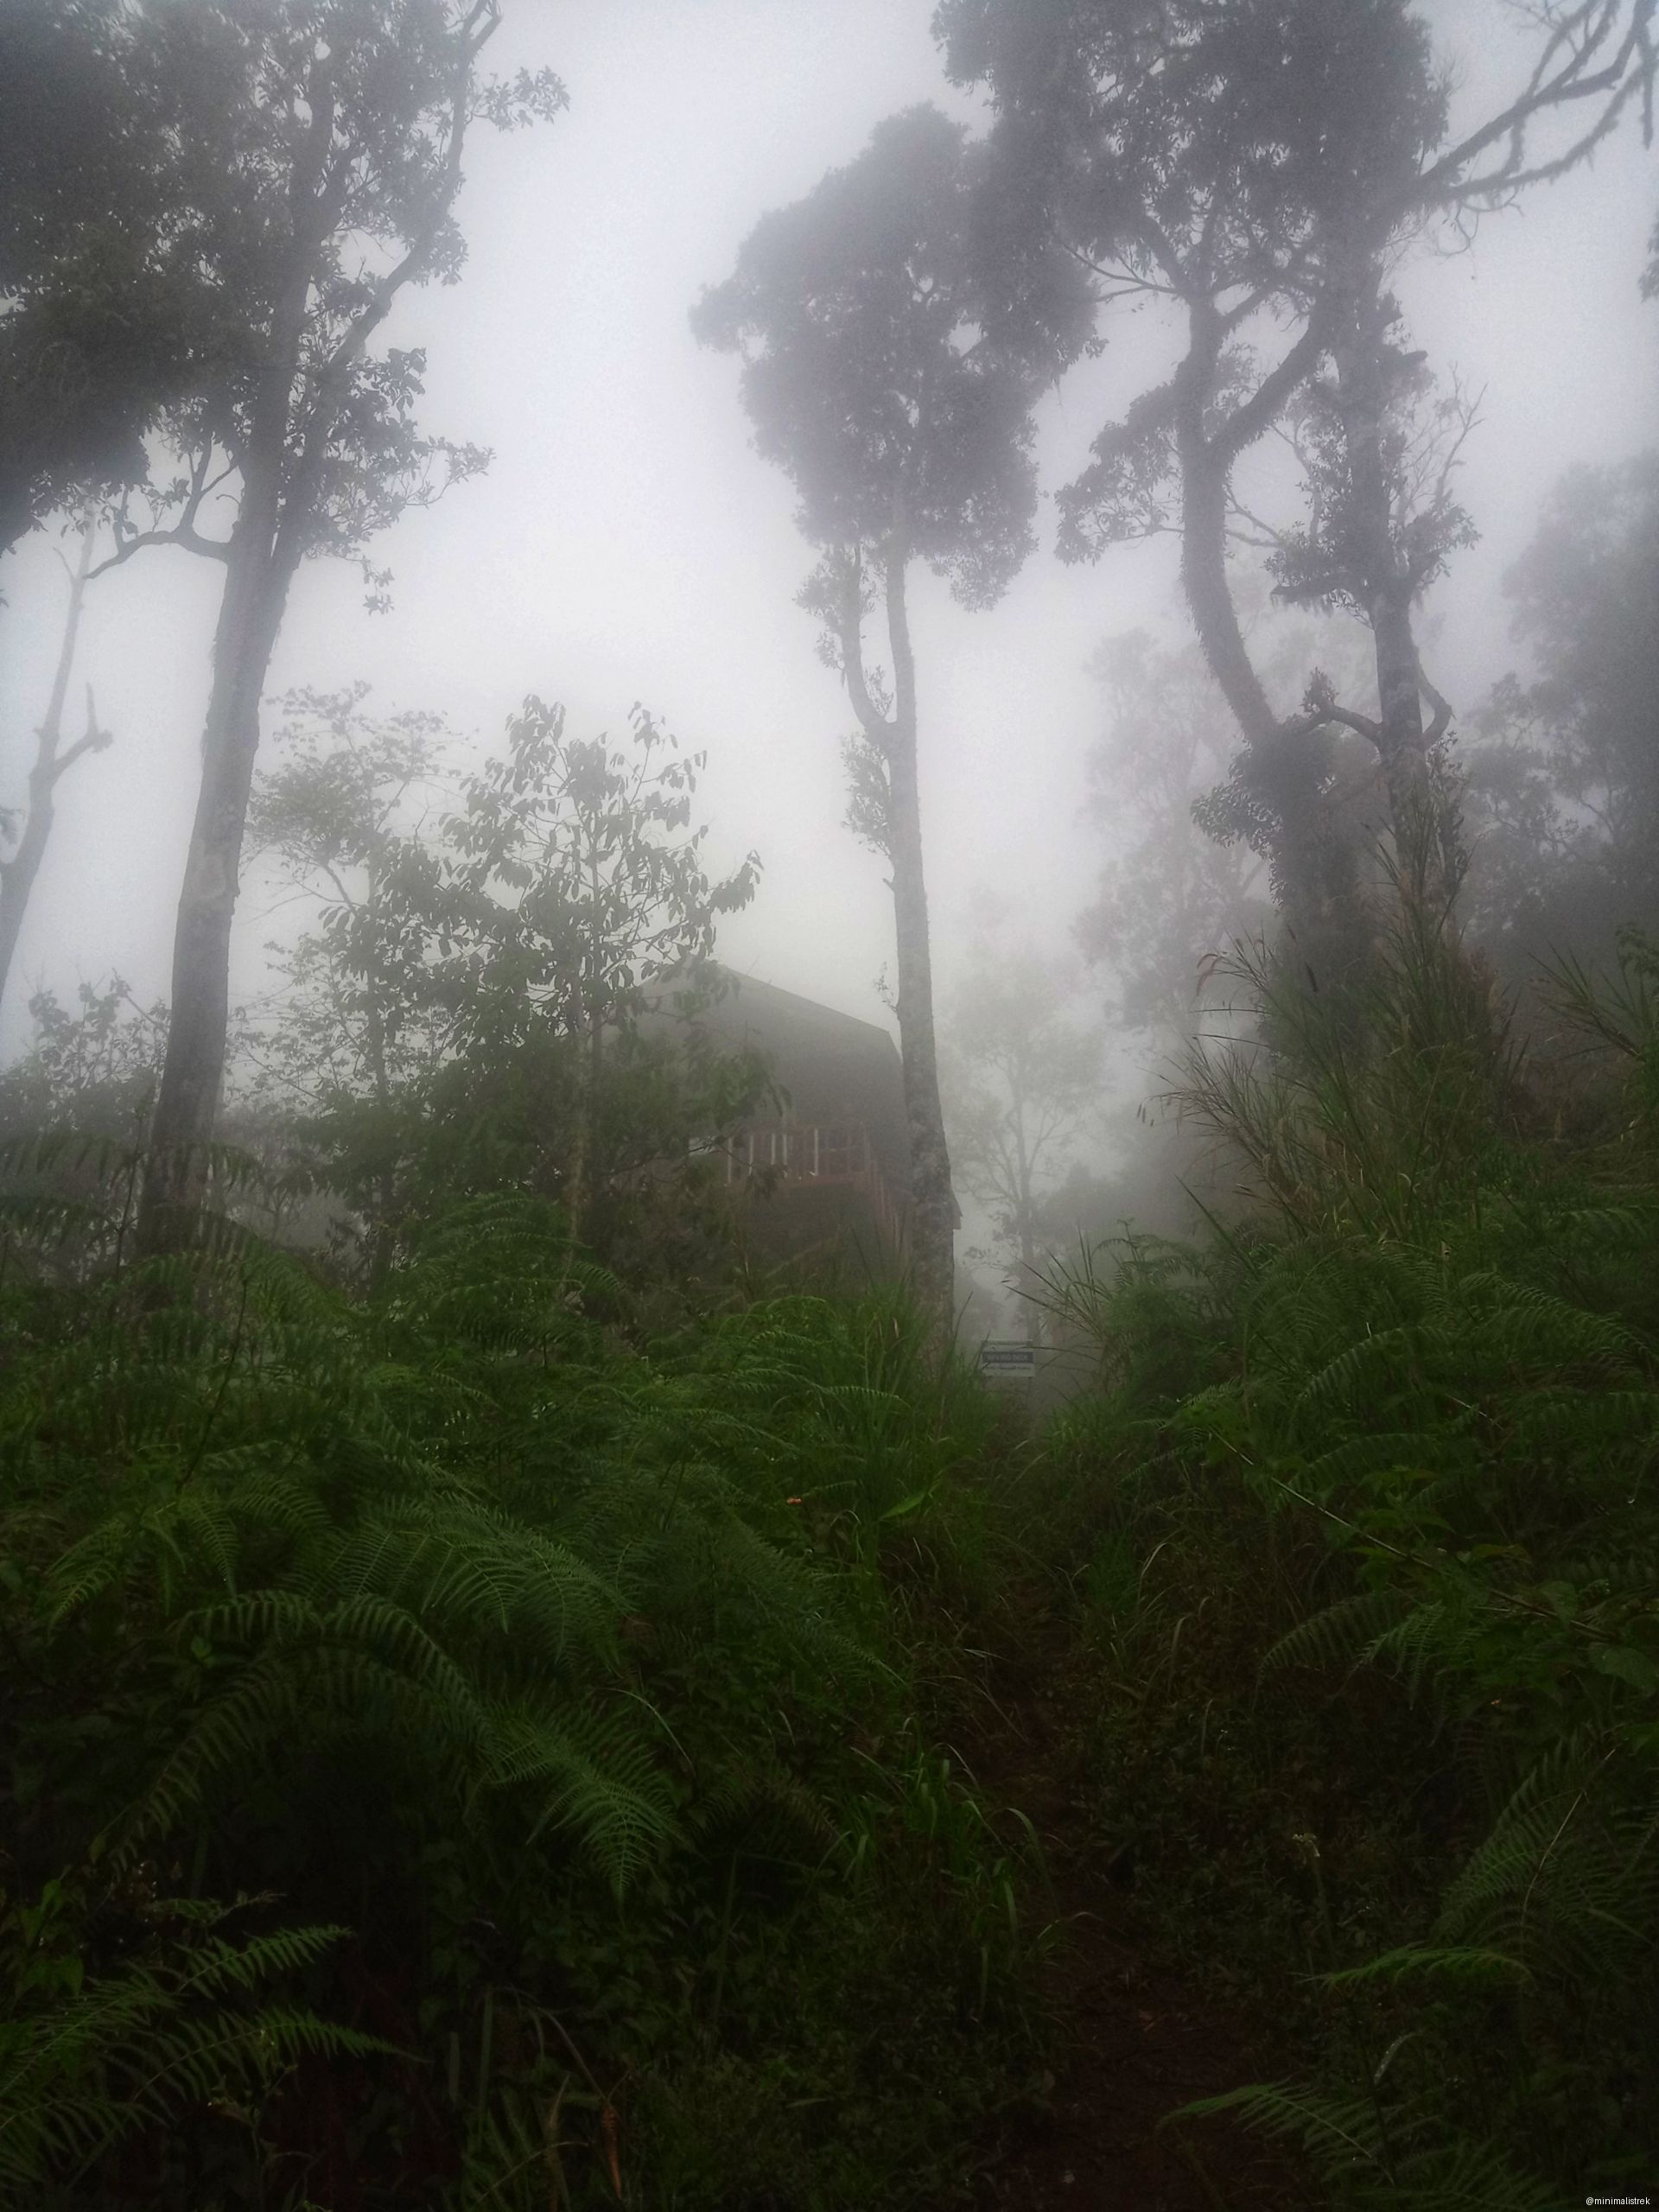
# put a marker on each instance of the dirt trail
(1134, 2039)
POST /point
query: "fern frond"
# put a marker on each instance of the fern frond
(1343, 1632)
(607, 1786)
(1344, 2134)
(1460, 1967)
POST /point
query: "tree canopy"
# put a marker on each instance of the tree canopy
(868, 372)
(871, 377)
(108, 315)
(1260, 166)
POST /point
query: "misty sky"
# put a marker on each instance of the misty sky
(628, 544)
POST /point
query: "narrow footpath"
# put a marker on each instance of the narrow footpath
(1134, 2039)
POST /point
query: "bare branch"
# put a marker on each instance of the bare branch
(213, 548)
(98, 741)
(1441, 705)
(1261, 534)
(1247, 424)
(1350, 720)
(1562, 75)
(183, 533)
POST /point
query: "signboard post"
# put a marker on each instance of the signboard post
(1008, 1362)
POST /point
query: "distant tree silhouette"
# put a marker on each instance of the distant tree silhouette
(28, 829)
(1022, 1078)
(877, 376)
(1261, 165)
(320, 153)
(1563, 794)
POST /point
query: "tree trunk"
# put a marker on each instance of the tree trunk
(932, 1201)
(256, 594)
(18, 873)
(578, 1199)
(1209, 594)
(260, 561)
(1309, 877)
(1364, 363)
(1028, 1237)
(591, 1066)
(383, 1226)
(1310, 867)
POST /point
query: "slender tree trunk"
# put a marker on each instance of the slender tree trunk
(1363, 365)
(18, 873)
(579, 1197)
(932, 1201)
(592, 1066)
(1029, 1243)
(1311, 868)
(382, 1228)
(256, 594)
(1309, 877)
(1209, 593)
(383, 1234)
(260, 561)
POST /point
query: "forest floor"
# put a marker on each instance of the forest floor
(1133, 2035)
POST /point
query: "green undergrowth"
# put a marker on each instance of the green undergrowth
(475, 1746)
(1359, 1541)
(460, 1751)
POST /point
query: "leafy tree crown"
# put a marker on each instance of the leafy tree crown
(870, 373)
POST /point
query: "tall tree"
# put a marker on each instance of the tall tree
(321, 150)
(28, 830)
(1259, 166)
(873, 376)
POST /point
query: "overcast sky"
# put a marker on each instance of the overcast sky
(628, 544)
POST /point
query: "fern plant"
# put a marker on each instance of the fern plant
(187, 2024)
(1414, 1407)
(466, 1607)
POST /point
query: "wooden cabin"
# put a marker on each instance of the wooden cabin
(831, 1173)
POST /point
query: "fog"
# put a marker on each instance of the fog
(627, 543)
(836, 1594)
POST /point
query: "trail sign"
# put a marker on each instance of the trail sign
(1015, 1362)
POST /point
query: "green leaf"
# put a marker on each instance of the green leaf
(906, 1506)
(1626, 1665)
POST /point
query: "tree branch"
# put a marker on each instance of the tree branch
(1441, 705)
(1594, 21)
(213, 548)
(1351, 720)
(183, 533)
(95, 740)
(1262, 533)
(849, 630)
(1247, 424)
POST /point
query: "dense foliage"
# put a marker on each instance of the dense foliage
(456, 1750)
(495, 1685)
(1363, 1534)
